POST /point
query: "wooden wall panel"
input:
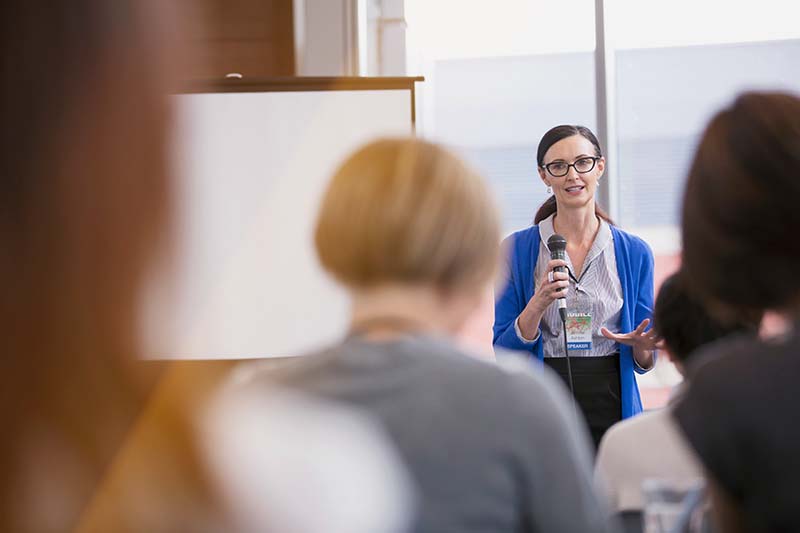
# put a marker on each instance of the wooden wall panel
(251, 37)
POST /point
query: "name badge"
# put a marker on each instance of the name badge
(579, 329)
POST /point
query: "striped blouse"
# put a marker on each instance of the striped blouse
(598, 286)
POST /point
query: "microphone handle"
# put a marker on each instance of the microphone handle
(562, 301)
(562, 312)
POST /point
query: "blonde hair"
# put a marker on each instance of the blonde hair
(406, 210)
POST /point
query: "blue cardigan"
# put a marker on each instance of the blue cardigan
(635, 268)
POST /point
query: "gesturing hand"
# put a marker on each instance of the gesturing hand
(643, 342)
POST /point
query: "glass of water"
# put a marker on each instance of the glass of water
(675, 506)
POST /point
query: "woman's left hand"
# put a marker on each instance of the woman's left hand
(644, 343)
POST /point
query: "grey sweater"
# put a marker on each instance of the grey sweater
(490, 449)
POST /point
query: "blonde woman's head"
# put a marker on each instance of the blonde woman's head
(406, 211)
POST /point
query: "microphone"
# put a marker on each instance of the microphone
(558, 250)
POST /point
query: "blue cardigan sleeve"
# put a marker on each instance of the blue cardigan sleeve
(644, 296)
(512, 300)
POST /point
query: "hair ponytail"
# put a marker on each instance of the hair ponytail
(546, 209)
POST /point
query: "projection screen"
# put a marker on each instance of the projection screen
(251, 166)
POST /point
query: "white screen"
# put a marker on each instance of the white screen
(252, 168)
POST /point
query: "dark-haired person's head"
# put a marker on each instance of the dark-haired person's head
(740, 211)
(685, 324)
(569, 148)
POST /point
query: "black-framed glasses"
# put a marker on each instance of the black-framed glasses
(559, 169)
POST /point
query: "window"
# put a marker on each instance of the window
(671, 77)
(500, 74)
(497, 78)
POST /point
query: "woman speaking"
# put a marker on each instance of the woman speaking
(607, 282)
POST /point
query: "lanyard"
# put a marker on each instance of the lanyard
(583, 274)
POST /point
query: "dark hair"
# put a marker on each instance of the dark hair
(85, 209)
(685, 324)
(549, 139)
(740, 212)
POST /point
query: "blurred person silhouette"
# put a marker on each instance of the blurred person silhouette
(741, 254)
(89, 442)
(409, 230)
(684, 326)
(85, 202)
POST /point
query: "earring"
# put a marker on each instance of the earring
(549, 190)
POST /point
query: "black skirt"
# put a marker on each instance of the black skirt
(597, 389)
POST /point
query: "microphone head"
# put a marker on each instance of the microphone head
(556, 243)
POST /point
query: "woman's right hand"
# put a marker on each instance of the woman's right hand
(549, 291)
(546, 293)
